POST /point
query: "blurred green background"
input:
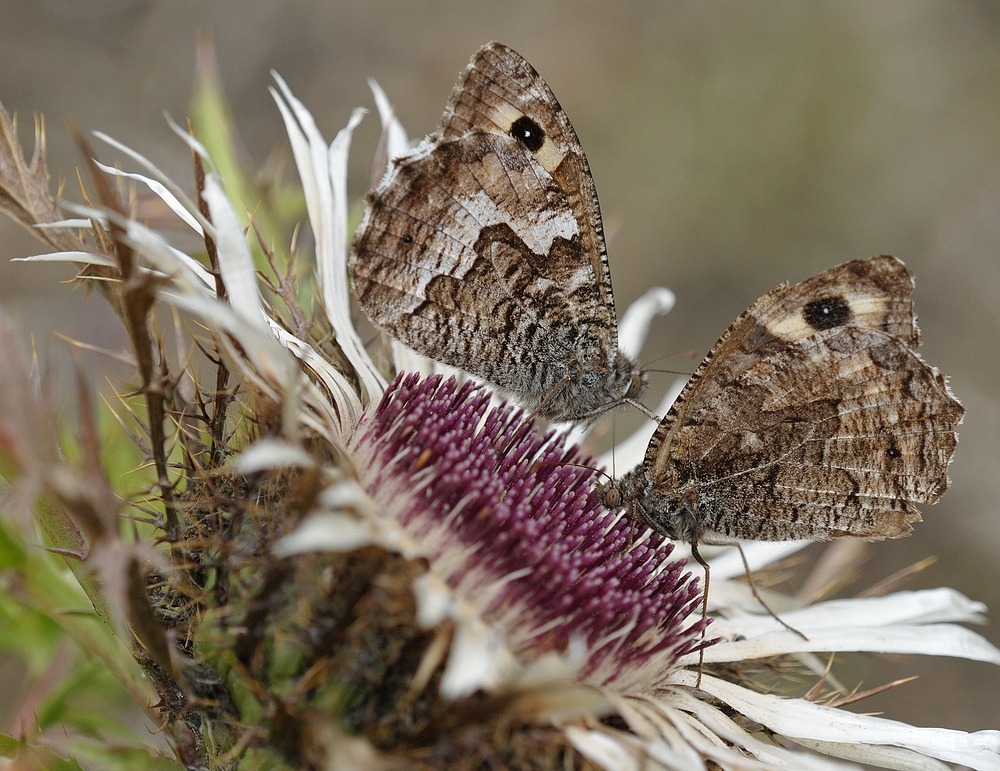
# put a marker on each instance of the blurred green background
(734, 145)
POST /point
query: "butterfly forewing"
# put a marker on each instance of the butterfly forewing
(872, 293)
(499, 91)
(812, 417)
(483, 248)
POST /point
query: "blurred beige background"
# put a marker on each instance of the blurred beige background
(734, 146)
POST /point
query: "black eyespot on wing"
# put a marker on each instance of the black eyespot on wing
(827, 313)
(528, 133)
(893, 452)
(407, 238)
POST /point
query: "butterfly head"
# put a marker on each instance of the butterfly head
(624, 379)
(637, 380)
(672, 513)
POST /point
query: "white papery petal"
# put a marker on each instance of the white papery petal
(323, 172)
(89, 258)
(904, 622)
(174, 188)
(345, 495)
(559, 668)
(660, 726)
(80, 224)
(161, 191)
(397, 143)
(603, 749)
(197, 269)
(266, 454)
(634, 326)
(240, 272)
(235, 261)
(434, 598)
(878, 755)
(798, 718)
(334, 282)
(695, 711)
(193, 288)
(339, 389)
(328, 531)
(273, 370)
(187, 291)
(478, 659)
(934, 640)
(912, 607)
(270, 359)
(186, 137)
(534, 677)
(155, 250)
(169, 261)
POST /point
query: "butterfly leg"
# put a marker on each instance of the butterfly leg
(548, 398)
(704, 604)
(642, 408)
(528, 421)
(756, 595)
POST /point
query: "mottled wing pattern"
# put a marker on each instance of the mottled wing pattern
(499, 89)
(812, 417)
(483, 247)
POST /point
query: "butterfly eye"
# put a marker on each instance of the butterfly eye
(636, 386)
(827, 313)
(528, 133)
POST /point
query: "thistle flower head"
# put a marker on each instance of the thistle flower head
(515, 523)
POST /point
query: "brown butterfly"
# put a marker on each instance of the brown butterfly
(483, 248)
(811, 418)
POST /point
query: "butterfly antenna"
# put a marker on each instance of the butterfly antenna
(756, 595)
(689, 353)
(614, 444)
(704, 605)
(657, 370)
(539, 464)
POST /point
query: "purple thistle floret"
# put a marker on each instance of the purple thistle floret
(526, 528)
